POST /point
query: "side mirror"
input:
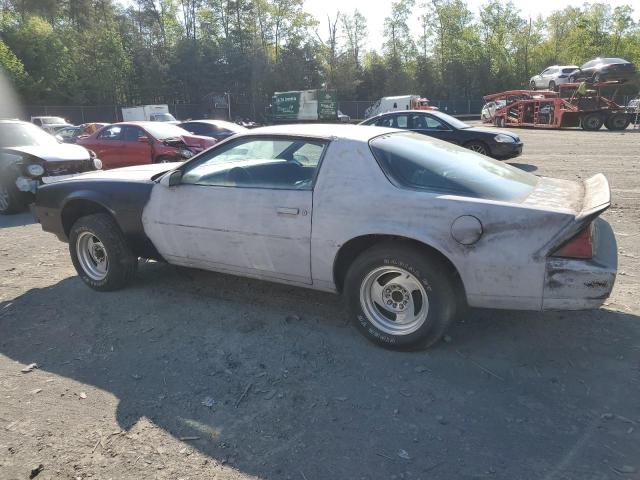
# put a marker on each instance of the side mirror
(171, 179)
(59, 138)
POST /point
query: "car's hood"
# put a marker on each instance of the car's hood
(52, 153)
(137, 173)
(494, 131)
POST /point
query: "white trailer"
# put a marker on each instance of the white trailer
(148, 113)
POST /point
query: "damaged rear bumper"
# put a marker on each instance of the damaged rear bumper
(572, 284)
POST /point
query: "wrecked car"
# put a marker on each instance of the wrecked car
(30, 157)
(139, 143)
(410, 229)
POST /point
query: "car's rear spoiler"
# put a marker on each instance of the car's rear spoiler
(597, 196)
(596, 199)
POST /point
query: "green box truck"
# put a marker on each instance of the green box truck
(304, 106)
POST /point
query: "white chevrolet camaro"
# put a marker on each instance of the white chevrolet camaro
(408, 228)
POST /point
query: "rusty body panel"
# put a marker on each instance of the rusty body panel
(238, 230)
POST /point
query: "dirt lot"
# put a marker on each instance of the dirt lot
(191, 375)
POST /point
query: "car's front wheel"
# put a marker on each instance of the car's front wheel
(477, 147)
(100, 253)
(11, 199)
(400, 297)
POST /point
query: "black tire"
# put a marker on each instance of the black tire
(618, 121)
(532, 85)
(596, 77)
(122, 264)
(572, 79)
(552, 86)
(164, 159)
(478, 147)
(428, 270)
(591, 121)
(12, 200)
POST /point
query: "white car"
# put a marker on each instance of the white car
(552, 76)
(489, 110)
(408, 228)
(50, 124)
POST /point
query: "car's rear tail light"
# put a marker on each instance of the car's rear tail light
(579, 246)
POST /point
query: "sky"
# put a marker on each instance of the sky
(377, 10)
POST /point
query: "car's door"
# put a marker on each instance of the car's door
(108, 146)
(427, 124)
(242, 208)
(136, 148)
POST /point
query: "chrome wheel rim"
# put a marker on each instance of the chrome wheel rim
(4, 198)
(478, 149)
(394, 301)
(92, 256)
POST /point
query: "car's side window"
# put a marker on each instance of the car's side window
(274, 163)
(426, 122)
(131, 134)
(197, 129)
(402, 121)
(111, 133)
(385, 122)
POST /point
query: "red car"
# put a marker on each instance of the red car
(138, 143)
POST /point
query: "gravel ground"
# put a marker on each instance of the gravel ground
(196, 375)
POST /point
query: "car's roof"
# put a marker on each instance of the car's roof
(218, 123)
(322, 130)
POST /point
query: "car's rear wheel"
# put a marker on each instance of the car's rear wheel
(618, 121)
(592, 121)
(552, 86)
(399, 296)
(11, 200)
(100, 253)
(572, 79)
(477, 147)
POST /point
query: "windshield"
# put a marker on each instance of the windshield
(52, 120)
(454, 122)
(162, 117)
(24, 135)
(165, 130)
(423, 163)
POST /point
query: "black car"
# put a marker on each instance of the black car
(30, 157)
(501, 144)
(604, 69)
(218, 129)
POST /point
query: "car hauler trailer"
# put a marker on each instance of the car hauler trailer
(565, 108)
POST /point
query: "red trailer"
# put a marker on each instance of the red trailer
(565, 108)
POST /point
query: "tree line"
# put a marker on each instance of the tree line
(91, 52)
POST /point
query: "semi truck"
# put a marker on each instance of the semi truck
(148, 113)
(401, 102)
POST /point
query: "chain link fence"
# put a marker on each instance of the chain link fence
(240, 110)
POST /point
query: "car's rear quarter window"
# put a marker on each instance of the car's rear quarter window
(414, 161)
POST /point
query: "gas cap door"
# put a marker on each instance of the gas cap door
(466, 230)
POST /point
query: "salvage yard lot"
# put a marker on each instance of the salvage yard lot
(189, 374)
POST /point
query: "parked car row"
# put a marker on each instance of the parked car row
(596, 70)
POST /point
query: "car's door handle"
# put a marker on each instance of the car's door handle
(287, 211)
